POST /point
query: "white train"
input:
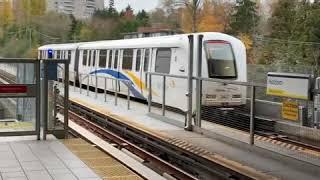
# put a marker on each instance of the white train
(224, 57)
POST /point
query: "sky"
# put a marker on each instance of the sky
(135, 4)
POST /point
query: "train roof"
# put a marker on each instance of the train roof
(161, 41)
(60, 46)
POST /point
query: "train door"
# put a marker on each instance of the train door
(138, 69)
(146, 67)
(115, 68)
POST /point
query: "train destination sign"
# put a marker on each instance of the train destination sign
(295, 86)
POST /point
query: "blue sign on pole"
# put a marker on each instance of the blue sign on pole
(50, 53)
(52, 71)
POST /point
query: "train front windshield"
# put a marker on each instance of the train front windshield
(221, 61)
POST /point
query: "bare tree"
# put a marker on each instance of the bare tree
(193, 6)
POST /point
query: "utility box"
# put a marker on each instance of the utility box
(290, 85)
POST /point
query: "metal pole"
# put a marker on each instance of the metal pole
(105, 89)
(189, 94)
(199, 82)
(38, 98)
(45, 101)
(80, 83)
(116, 93)
(164, 96)
(128, 97)
(74, 81)
(88, 81)
(150, 93)
(66, 99)
(252, 113)
(96, 88)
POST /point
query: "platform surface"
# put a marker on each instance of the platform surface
(234, 149)
(23, 158)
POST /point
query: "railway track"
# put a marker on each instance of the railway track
(11, 79)
(238, 119)
(167, 157)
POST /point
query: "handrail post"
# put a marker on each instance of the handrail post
(45, 101)
(80, 83)
(38, 99)
(66, 100)
(190, 86)
(164, 96)
(252, 114)
(116, 93)
(150, 93)
(128, 97)
(96, 86)
(88, 86)
(199, 83)
(74, 81)
(105, 89)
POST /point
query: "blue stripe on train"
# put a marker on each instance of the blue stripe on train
(121, 76)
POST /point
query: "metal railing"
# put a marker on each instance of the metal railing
(245, 111)
(103, 83)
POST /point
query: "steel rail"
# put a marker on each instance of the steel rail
(194, 161)
(121, 142)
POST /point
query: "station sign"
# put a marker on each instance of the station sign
(290, 110)
(289, 85)
(17, 90)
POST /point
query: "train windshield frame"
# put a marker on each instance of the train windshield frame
(221, 60)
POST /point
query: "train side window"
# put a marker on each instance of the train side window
(89, 58)
(69, 56)
(110, 59)
(115, 64)
(163, 60)
(102, 58)
(84, 57)
(58, 54)
(94, 52)
(138, 60)
(127, 59)
(146, 60)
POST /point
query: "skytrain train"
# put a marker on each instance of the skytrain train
(223, 57)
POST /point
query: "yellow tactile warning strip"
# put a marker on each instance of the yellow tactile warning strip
(288, 146)
(15, 125)
(248, 171)
(101, 163)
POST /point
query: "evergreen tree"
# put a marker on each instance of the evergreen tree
(143, 18)
(283, 18)
(245, 18)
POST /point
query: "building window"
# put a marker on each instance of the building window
(127, 59)
(163, 60)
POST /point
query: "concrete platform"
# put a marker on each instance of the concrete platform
(23, 158)
(228, 143)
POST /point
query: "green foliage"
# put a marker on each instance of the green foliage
(143, 18)
(244, 18)
(295, 33)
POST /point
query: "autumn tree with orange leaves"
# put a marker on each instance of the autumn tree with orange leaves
(209, 15)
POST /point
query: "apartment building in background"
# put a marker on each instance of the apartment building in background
(81, 9)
